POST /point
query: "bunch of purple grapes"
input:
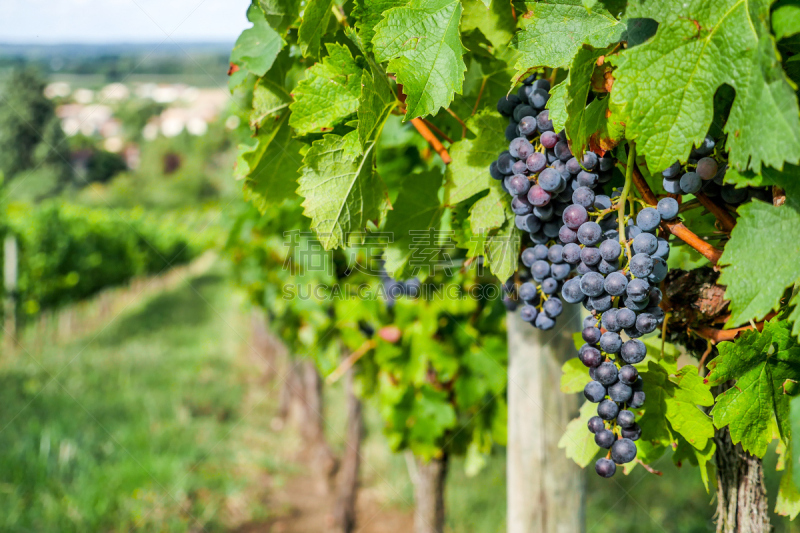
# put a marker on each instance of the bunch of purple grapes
(704, 172)
(623, 295)
(544, 179)
(574, 248)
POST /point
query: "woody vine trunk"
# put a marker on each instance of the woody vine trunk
(742, 505)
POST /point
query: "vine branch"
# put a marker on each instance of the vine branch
(722, 214)
(437, 131)
(350, 361)
(435, 143)
(463, 126)
(675, 227)
(649, 468)
(720, 335)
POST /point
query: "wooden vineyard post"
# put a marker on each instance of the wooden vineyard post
(545, 488)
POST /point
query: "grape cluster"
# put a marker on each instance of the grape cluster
(623, 297)
(576, 251)
(704, 172)
(549, 188)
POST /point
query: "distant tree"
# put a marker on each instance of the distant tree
(104, 165)
(31, 139)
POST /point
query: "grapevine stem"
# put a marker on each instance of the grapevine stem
(623, 198)
(675, 227)
(649, 468)
(350, 361)
(718, 211)
(480, 93)
(720, 335)
(463, 126)
(435, 143)
(702, 362)
(437, 131)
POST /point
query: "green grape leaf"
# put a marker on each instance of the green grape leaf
(557, 104)
(760, 260)
(280, 14)
(552, 32)
(577, 442)
(501, 249)
(574, 376)
(489, 212)
(602, 129)
(666, 86)
(761, 363)
(656, 389)
(269, 99)
(316, 17)
(485, 82)
(473, 244)
(432, 414)
(786, 20)
(329, 94)
(468, 174)
(270, 167)
(788, 501)
(582, 121)
(368, 13)
(375, 104)
(683, 412)
(257, 47)
(422, 43)
(415, 224)
(494, 21)
(341, 189)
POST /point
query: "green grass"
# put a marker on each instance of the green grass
(149, 426)
(158, 423)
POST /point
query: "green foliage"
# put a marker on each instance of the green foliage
(418, 206)
(68, 253)
(552, 33)
(592, 121)
(316, 19)
(442, 385)
(31, 137)
(762, 363)
(467, 175)
(341, 189)
(257, 47)
(760, 261)
(423, 44)
(786, 21)
(329, 93)
(724, 42)
(574, 376)
(578, 443)
(104, 165)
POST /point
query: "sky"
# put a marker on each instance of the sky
(121, 21)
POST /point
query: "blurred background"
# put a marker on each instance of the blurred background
(132, 390)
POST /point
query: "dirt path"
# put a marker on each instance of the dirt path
(298, 503)
(299, 508)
